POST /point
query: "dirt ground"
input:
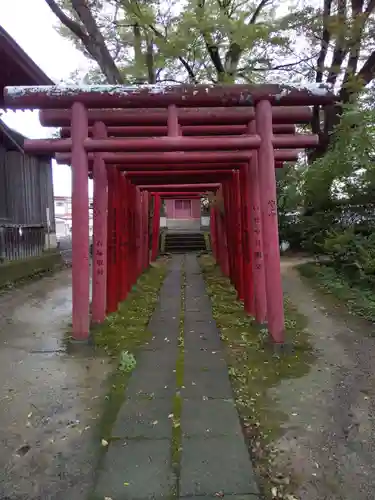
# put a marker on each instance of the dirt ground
(329, 440)
(50, 400)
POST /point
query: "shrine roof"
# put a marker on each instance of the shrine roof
(17, 68)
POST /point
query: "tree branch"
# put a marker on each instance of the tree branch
(150, 60)
(90, 36)
(324, 43)
(99, 47)
(182, 60)
(130, 5)
(74, 27)
(233, 54)
(370, 7)
(258, 11)
(367, 72)
(212, 48)
(286, 66)
(341, 49)
(359, 22)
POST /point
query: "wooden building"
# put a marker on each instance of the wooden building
(183, 214)
(27, 221)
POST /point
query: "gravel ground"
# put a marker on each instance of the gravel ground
(329, 441)
(50, 400)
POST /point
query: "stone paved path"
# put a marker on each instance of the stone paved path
(214, 457)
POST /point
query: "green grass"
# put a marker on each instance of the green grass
(358, 299)
(207, 241)
(126, 330)
(163, 234)
(254, 368)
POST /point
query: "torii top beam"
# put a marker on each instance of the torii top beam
(186, 130)
(151, 174)
(186, 116)
(171, 159)
(185, 179)
(170, 144)
(154, 96)
(181, 194)
(181, 169)
(182, 187)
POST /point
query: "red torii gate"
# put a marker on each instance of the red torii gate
(249, 137)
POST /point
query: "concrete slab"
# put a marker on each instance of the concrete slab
(144, 419)
(168, 346)
(166, 340)
(162, 317)
(195, 289)
(164, 360)
(215, 497)
(198, 341)
(199, 316)
(172, 310)
(211, 418)
(193, 323)
(197, 300)
(193, 279)
(213, 465)
(196, 307)
(213, 384)
(151, 384)
(170, 288)
(204, 360)
(190, 289)
(135, 470)
(214, 456)
(162, 327)
(202, 332)
(207, 328)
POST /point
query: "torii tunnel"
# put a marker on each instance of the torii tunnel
(142, 144)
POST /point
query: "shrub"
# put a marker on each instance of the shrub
(353, 253)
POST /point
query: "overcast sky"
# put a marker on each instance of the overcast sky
(31, 24)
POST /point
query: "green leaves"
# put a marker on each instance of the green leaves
(195, 41)
(349, 160)
(127, 361)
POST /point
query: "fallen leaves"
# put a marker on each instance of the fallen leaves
(282, 496)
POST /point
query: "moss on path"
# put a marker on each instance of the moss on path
(254, 369)
(121, 335)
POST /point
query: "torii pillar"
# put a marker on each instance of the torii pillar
(80, 225)
(155, 226)
(99, 265)
(268, 201)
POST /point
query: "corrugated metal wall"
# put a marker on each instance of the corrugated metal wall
(26, 189)
(3, 187)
